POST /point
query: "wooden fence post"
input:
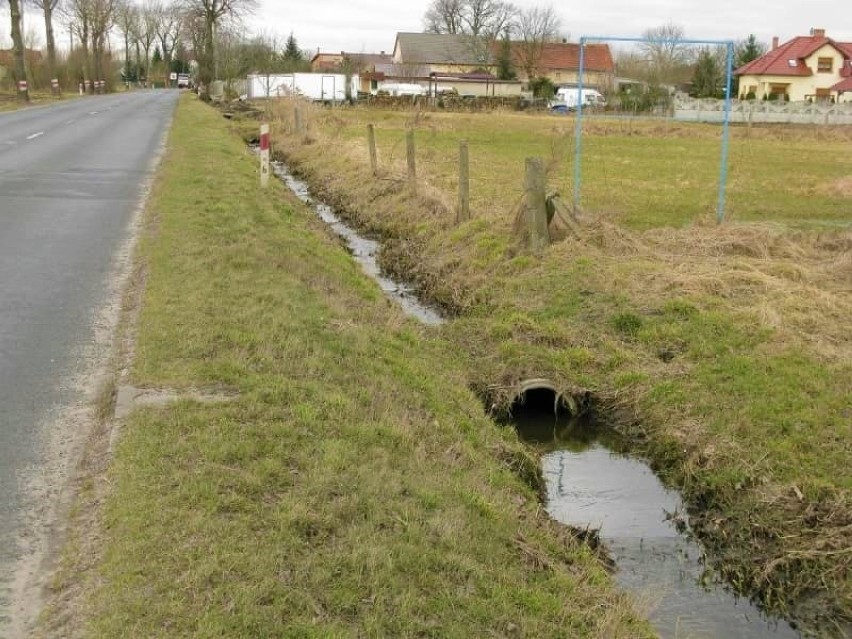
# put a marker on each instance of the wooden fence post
(298, 120)
(412, 162)
(463, 213)
(371, 142)
(536, 203)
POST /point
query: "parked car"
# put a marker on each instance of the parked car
(561, 107)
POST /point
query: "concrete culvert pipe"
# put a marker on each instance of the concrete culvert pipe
(541, 398)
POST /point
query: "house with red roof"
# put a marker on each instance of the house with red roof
(451, 54)
(560, 63)
(807, 68)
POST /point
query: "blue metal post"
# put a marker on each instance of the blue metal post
(578, 127)
(726, 134)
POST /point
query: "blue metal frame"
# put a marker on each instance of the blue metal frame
(578, 132)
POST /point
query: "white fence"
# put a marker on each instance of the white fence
(702, 110)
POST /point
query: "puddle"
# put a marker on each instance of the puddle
(363, 250)
(590, 484)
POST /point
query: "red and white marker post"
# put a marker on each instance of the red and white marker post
(264, 155)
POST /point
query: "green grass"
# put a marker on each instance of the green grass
(640, 174)
(354, 488)
(724, 352)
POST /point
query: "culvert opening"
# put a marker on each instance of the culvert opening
(540, 413)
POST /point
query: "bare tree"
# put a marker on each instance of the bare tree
(49, 8)
(79, 13)
(665, 52)
(18, 47)
(211, 13)
(482, 21)
(103, 20)
(536, 27)
(147, 33)
(487, 18)
(127, 21)
(168, 30)
(445, 16)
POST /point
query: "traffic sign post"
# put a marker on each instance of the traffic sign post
(264, 155)
(54, 85)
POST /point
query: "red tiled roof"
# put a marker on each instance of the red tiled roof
(567, 56)
(789, 58)
(843, 86)
(564, 55)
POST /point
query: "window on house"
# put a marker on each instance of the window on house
(792, 62)
(825, 65)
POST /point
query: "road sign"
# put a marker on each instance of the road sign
(173, 76)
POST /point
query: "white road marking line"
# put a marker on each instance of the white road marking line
(93, 112)
(35, 135)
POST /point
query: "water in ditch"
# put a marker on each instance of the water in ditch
(591, 484)
(363, 250)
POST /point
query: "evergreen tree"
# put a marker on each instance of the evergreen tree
(292, 53)
(708, 78)
(505, 67)
(748, 50)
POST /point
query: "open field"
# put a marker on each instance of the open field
(353, 487)
(724, 352)
(639, 173)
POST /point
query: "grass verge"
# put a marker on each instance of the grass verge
(354, 488)
(723, 352)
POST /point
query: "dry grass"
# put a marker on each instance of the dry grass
(727, 349)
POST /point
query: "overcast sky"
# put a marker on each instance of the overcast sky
(371, 25)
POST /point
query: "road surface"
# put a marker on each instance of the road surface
(71, 177)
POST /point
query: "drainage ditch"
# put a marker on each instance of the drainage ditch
(593, 484)
(363, 250)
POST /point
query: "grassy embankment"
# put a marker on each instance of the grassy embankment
(725, 352)
(9, 101)
(354, 488)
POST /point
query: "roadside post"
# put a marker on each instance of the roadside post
(371, 143)
(264, 155)
(54, 85)
(463, 212)
(412, 161)
(22, 89)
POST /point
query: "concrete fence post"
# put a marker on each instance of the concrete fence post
(412, 161)
(536, 204)
(463, 213)
(371, 143)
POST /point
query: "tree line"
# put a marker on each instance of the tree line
(157, 37)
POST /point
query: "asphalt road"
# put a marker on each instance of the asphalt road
(71, 176)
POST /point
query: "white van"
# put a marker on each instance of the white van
(568, 96)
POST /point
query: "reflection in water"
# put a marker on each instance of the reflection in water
(590, 485)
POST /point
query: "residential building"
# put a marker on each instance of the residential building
(806, 68)
(560, 63)
(421, 55)
(362, 64)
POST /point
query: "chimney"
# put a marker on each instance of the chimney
(818, 33)
(774, 42)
